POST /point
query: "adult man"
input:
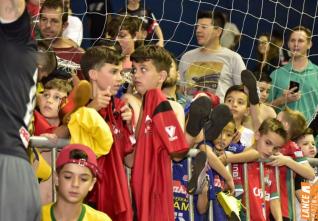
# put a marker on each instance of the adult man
(295, 84)
(19, 197)
(210, 67)
(53, 21)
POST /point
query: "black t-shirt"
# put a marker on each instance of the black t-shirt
(18, 76)
(144, 13)
(97, 12)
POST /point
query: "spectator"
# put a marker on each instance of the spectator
(211, 67)
(76, 175)
(53, 21)
(295, 84)
(102, 67)
(136, 8)
(267, 56)
(19, 192)
(159, 136)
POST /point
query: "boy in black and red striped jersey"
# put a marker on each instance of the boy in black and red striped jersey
(269, 138)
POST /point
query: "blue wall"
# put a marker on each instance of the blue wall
(253, 17)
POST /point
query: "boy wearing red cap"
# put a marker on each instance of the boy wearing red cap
(76, 174)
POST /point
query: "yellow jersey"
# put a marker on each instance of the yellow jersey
(87, 214)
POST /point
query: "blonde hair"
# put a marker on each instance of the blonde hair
(296, 121)
(58, 84)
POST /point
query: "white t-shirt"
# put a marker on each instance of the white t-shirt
(74, 30)
(215, 71)
(230, 30)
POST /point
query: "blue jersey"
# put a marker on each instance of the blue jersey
(216, 185)
(180, 195)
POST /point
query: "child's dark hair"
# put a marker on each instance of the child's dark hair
(218, 19)
(46, 58)
(127, 22)
(239, 88)
(110, 43)
(308, 131)
(56, 4)
(273, 125)
(159, 56)
(262, 77)
(96, 57)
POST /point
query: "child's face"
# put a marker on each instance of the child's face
(307, 145)
(268, 144)
(109, 75)
(264, 88)
(74, 182)
(49, 102)
(280, 117)
(225, 138)
(126, 41)
(146, 76)
(237, 102)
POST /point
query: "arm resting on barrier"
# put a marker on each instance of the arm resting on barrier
(249, 155)
(303, 169)
(218, 166)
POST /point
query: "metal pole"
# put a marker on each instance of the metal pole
(247, 202)
(191, 211)
(53, 166)
(261, 171)
(292, 186)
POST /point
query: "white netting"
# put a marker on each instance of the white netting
(177, 20)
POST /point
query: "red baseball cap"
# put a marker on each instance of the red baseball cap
(65, 157)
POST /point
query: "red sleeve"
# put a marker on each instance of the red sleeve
(170, 132)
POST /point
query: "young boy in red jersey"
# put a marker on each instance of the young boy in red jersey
(46, 123)
(76, 175)
(102, 67)
(291, 158)
(159, 136)
(270, 137)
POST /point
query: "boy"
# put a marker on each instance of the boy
(291, 158)
(46, 122)
(76, 174)
(270, 137)
(215, 182)
(102, 67)
(307, 144)
(159, 136)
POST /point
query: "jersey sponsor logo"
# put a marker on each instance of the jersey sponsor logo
(259, 193)
(267, 181)
(298, 153)
(235, 171)
(148, 122)
(25, 136)
(171, 131)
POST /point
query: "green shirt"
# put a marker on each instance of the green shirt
(308, 86)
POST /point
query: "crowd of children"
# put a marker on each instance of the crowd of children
(132, 125)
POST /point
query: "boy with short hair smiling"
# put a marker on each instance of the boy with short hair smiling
(76, 175)
(102, 66)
